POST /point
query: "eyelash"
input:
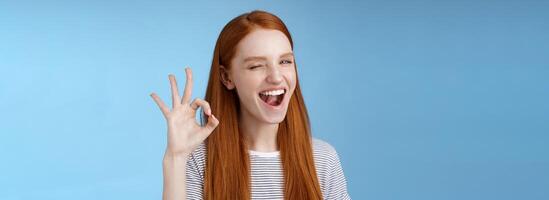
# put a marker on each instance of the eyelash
(256, 66)
(289, 61)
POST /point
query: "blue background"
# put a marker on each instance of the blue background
(421, 99)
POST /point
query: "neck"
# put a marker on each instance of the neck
(260, 136)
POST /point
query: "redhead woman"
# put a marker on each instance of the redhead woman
(254, 140)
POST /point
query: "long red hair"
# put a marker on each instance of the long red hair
(227, 162)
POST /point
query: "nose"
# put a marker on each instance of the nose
(274, 75)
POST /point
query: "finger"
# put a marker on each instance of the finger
(201, 103)
(160, 104)
(175, 93)
(187, 93)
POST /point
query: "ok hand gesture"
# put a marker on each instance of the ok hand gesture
(184, 133)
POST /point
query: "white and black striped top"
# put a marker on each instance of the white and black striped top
(267, 176)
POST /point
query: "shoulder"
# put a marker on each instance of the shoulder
(323, 149)
(329, 171)
(199, 154)
(195, 172)
(325, 156)
(197, 159)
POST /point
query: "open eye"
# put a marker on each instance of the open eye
(286, 62)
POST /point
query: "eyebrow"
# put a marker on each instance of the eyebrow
(264, 58)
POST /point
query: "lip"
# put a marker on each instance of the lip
(284, 97)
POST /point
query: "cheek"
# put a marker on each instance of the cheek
(290, 76)
(246, 86)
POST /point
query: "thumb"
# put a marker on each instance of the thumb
(212, 124)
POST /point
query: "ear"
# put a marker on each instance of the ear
(225, 77)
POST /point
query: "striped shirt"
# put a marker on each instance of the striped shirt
(267, 176)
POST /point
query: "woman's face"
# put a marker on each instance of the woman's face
(264, 75)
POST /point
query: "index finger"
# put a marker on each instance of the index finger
(187, 93)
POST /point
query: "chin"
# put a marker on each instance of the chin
(274, 120)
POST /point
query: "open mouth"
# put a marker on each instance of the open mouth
(273, 97)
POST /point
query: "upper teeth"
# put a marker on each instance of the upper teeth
(273, 92)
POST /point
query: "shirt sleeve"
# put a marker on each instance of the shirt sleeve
(195, 176)
(336, 184)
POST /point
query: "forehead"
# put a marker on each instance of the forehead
(263, 42)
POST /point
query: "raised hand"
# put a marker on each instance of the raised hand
(184, 132)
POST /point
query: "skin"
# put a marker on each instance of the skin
(272, 67)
